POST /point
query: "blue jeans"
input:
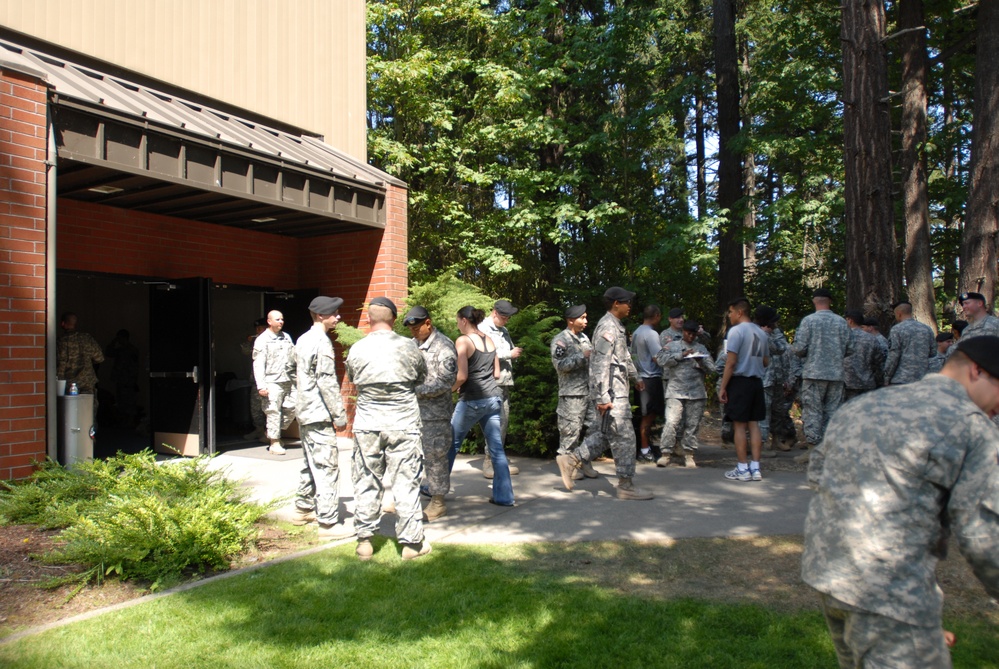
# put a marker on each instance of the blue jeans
(485, 412)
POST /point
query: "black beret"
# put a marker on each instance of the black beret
(505, 308)
(959, 326)
(324, 306)
(619, 294)
(675, 312)
(765, 315)
(822, 292)
(945, 336)
(384, 302)
(416, 315)
(984, 351)
(970, 296)
(855, 315)
(691, 325)
(871, 321)
(575, 312)
(260, 322)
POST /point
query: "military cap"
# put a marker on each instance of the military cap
(505, 308)
(324, 306)
(855, 315)
(619, 294)
(970, 296)
(983, 351)
(384, 302)
(415, 315)
(945, 336)
(958, 326)
(765, 315)
(260, 322)
(675, 312)
(871, 321)
(575, 312)
(691, 325)
(822, 292)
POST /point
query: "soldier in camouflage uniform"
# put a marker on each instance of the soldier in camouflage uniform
(944, 342)
(863, 368)
(570, 352)
(980, 322)
(256, 407)
(782, 376)
(873, 328)
(319, 409)
(896, 475)
(274, 374)
(611, 368)
(685, 393)
(910, 347)
(387, 369)
(76, 354)
(823, 340)
(434, 398)
(766, 318)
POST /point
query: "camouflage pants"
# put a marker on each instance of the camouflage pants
(319, 478)
(257, 408)
(819, 400)
(399, 455)
(873, 641)
(279, 408)
(683, 418)
(780, 422)
(574, 414)
(768, 396)
(437, 439)
(504, 413)
(616, 430)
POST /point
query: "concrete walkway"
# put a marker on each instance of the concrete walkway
(688, 502)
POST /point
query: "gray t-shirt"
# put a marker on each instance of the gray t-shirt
(750, 343)
(644, 346)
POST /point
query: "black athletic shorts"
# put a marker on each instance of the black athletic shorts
(651, 399)
(746, 401)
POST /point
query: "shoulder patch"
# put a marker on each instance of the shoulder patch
(609, 337)
(560, 351)
(450, 364)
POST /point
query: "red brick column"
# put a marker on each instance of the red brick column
(23, 127)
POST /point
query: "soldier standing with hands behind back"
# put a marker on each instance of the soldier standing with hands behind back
(274, 373)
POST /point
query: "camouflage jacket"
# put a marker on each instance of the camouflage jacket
(571, 364)
(611, 367)
(319, 399)
(863, 368)
(686, 375)
(504, 346)
(910, 347)
(386, 369)
(906, 466)
(434, 394)
(823, 340)
(986, 326)
(273, 358)
(76, 354)
(777, 346)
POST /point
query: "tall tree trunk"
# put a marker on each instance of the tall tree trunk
(748, 166)
(731, 280)
(701, 156)
(951, 217)
(918, 261)
(978, 244)
(872, 282)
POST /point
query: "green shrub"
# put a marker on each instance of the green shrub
(135, 518)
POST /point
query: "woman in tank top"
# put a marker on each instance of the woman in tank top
(480, 399)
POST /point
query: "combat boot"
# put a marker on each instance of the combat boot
(627, 490)
(413, 551)
(303, 517)
(588, 471)
(688, 461)
(256, 434)
(804, 457)
(364, 549)
(435, 509)
(276, 448)
(567, 466)
(487, 467)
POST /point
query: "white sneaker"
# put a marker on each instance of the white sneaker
(739, 475)
(755, 473)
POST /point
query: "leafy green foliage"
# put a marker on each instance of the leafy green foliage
(132, 517)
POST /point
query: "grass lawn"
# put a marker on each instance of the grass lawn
(461, 606)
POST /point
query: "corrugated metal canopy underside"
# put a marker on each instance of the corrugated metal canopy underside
(127, 145)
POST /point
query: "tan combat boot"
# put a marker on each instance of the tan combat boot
(413, 551)
(567, 466)
(435, 509)
(588, 471)
(688, 461)
(627, 490)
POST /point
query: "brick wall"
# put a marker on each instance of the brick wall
(22, 273)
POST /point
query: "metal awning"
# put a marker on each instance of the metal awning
(124, 144)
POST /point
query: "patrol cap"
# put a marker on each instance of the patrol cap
(855, 315)
(260, 322)
(970, 296)
(945, 336)
(675, 312)
(983, 351)
(575, 312)
(619, 294)
(384, 302)
(505, 308)
(764, 315)
(691, 325)
(324, 306)
(415, 315)
(822, 292)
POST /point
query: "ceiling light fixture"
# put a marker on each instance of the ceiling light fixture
(105, 190)
(263, 220)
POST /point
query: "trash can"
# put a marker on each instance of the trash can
(75, 415)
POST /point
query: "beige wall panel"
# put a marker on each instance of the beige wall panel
(299, 61)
